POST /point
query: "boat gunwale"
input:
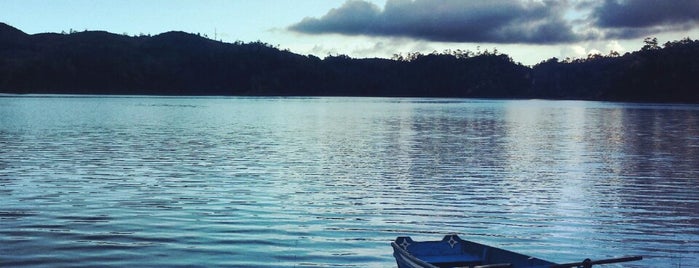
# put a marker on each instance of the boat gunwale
(398, 250)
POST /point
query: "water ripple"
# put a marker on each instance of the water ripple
(328, 182)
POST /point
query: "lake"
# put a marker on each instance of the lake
(326, 182)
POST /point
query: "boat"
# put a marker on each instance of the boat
(452, 251)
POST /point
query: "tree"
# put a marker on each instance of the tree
(651, 43)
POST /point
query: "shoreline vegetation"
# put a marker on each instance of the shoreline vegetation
(184, 64)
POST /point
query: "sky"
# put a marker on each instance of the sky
(530, 31)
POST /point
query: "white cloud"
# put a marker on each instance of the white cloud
(573, 52)
(615, 46)
(582, 50)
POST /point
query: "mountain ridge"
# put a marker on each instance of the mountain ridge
(179, 63)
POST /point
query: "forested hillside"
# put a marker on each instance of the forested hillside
(178, 63)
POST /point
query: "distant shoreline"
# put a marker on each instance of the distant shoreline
(444, 99)
(183, 64)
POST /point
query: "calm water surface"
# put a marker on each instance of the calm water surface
(328, 182)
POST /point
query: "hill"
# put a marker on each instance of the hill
(178, 63)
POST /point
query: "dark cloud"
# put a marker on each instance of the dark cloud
(507, 21)
(646, 13)
(354, 17)
(495, 21)
(638, 18)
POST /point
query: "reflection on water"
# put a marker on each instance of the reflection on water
(327, 182)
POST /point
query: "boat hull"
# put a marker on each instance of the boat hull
(452, 251)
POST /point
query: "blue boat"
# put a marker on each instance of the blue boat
(452, 251)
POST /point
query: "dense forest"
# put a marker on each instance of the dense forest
(178, 63)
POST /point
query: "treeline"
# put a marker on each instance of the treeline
(654, 74)
(177, 63)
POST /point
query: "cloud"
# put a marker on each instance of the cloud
(628, 19)
(646, 13)
(494, 21)
(614, 45)
(506, 21)
(354, 17)
(584, 49)
(574, 51)
(388, 47)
